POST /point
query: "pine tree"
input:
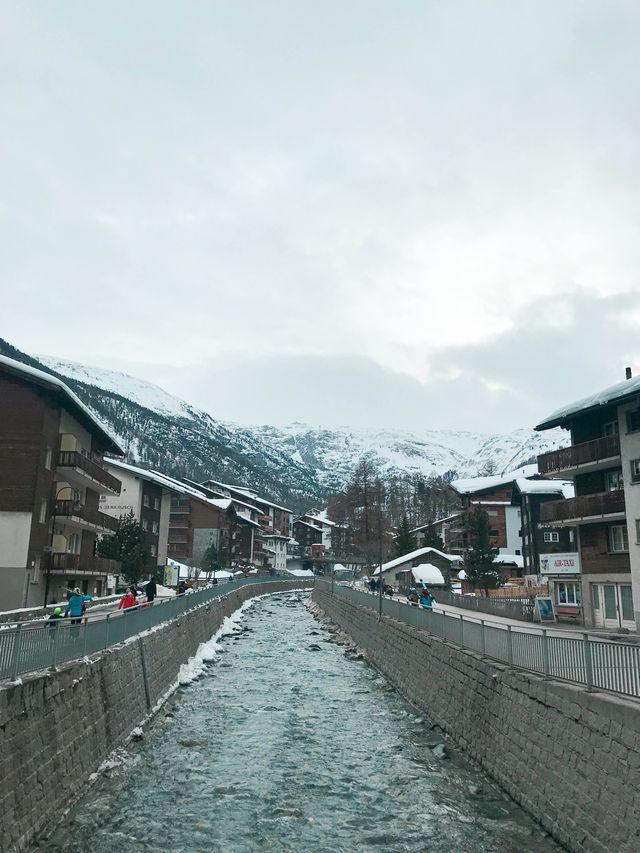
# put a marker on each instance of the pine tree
(405, 541)
(127, 546)
(210, 560)
(479, 566)
(432, 539)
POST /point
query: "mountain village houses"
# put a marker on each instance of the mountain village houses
(571, 523)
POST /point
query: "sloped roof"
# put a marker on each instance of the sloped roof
(68, 399)
(427, 573)
(565, 488)
(420, 552)
(614, 394)
(473, 485)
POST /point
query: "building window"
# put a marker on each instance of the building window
(155, 527)
(569, 593)
(492, 512)
(48, 459)
(551, 536)
(635, 470)
(610, 428)
(618, 538)
(145, 524)
(494, 533)
(572, 536)
(633, 421)
(145, 500)
(613, 480)
(36, 571)
(637, 531)
(154, 551)
(156, 504)
(43, 510)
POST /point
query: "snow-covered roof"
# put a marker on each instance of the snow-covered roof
(613, 394)
(69, 399)
(167, 482)
(413, 555)
(300, 573)
(462, 575)
(427, 573)
(565, 488)
(306, 524)
(437, 521)
(320, 520)
(473, 485)
(338, 567)
(505, 559)
(247, 493)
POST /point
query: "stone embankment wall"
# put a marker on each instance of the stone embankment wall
(571, 758)
(57, 728)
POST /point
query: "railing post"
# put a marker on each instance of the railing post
(54, 648)
(545, 653)
(461, 631)
(17, 643)
(482, 638)
(588, 663)
(444, 624)
(84, 643)
(509, 645)
(106, 636)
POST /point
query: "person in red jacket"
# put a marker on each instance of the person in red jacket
(129, 599)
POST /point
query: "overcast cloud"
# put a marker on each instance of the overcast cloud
(389, 214)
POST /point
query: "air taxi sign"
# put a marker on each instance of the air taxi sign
(560, 564)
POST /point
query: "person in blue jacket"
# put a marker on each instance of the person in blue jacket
(75, 606)
(427, 600)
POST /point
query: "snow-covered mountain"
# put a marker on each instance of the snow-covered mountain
(315, 454)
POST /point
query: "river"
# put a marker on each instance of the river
(284, 744)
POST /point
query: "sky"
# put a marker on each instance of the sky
(391, 214)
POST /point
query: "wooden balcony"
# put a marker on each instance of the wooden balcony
(587, 456)
(84, 517)
(76, 564)
(78, 468)
(586, 509)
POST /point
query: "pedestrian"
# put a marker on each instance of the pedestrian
(426, 599)
(182, 588)
(75, 608)
(129, 599)
(151, 589)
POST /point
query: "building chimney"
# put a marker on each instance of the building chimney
(627, 371)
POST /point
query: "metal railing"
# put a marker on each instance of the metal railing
(32, 646)
(579, 454)
(596, 663)
(585, 506)
(74, 459)
(520, 607)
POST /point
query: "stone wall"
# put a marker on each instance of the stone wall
(57, 728)
(571, 758)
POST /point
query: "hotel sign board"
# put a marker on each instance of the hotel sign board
(560, 564)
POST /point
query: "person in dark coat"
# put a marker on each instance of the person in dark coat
(151, 590)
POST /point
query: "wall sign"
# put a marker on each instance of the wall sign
(560, 564)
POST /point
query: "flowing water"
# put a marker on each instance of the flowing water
(285, 744)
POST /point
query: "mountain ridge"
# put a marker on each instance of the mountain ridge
(298, 463)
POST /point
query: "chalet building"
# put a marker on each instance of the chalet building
(493, 494)
(271, 517)
(196, 522)
(276, 550)
(148, 495)
(326, 526)
(247, 546)
(451, 530)
(306, 534)
(51, 477)
(549, 553)
(604, 463)
(430, 564)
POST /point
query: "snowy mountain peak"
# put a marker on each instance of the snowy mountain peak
(137, 390)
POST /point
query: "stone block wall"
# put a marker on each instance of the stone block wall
(57, 728)
(571, 758)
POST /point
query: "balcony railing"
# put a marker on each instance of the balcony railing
(78, 563)
(580, 454)
(586, 506)
(73, 509)
(74, 459)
